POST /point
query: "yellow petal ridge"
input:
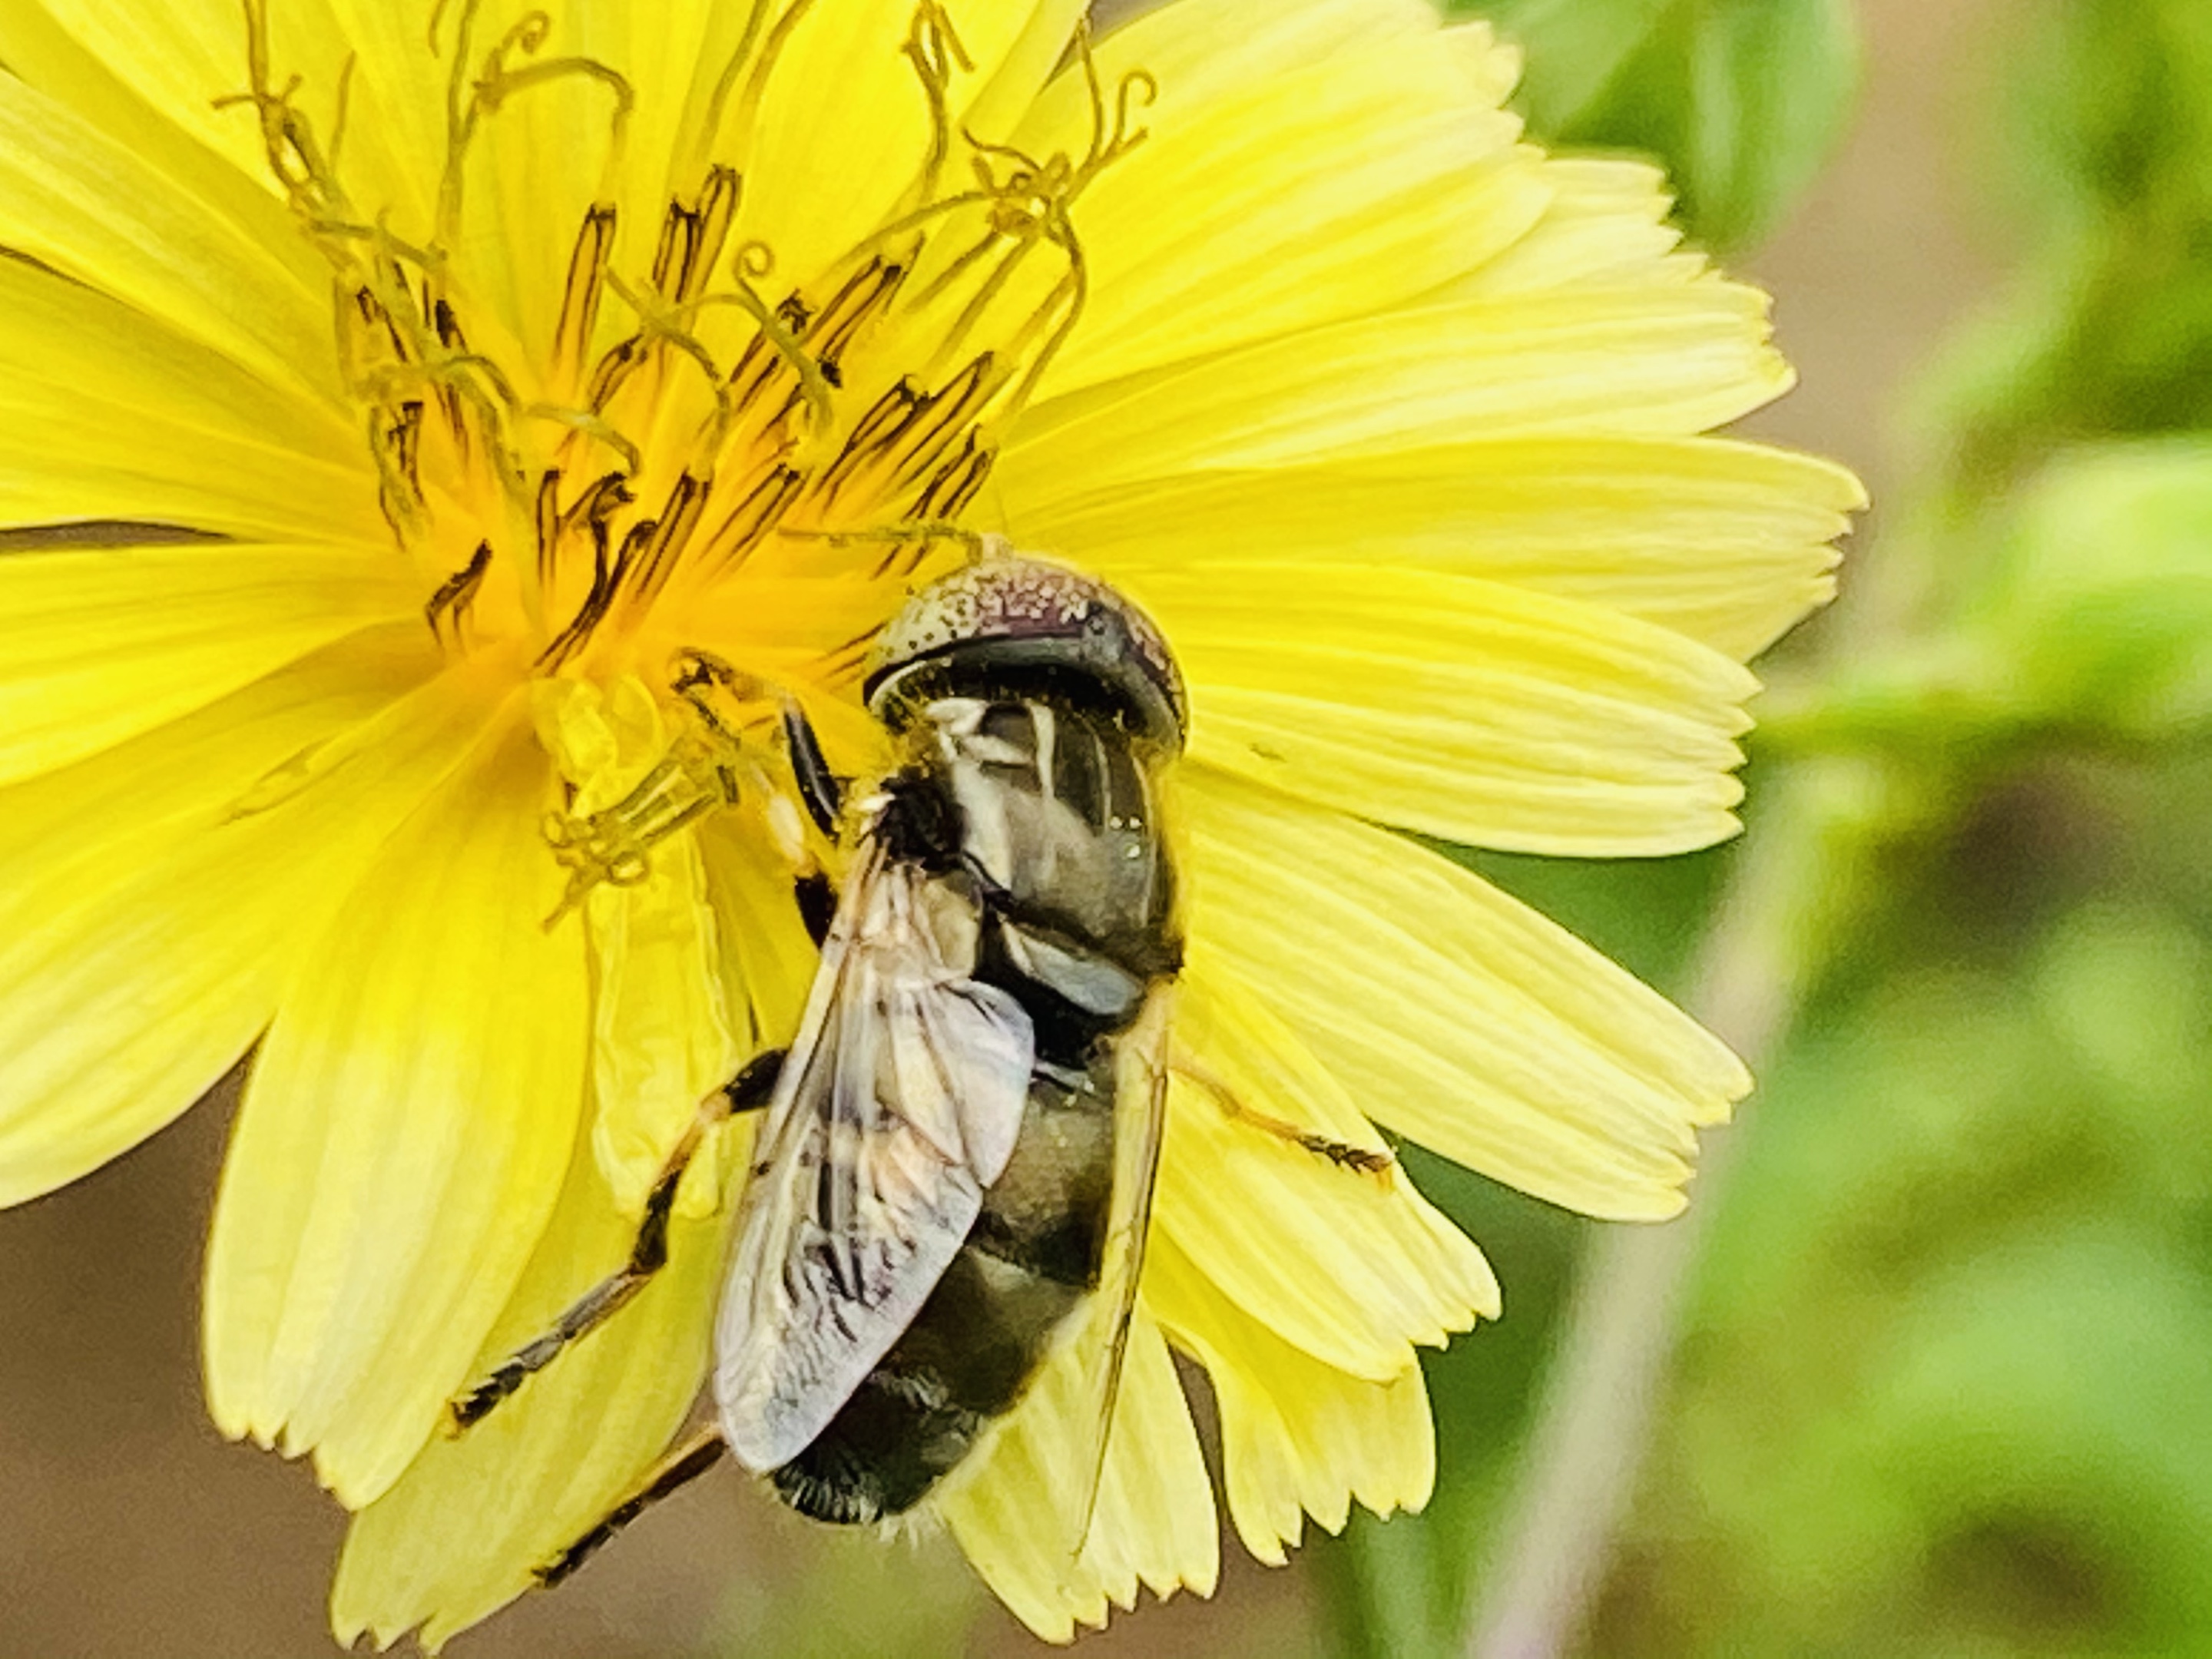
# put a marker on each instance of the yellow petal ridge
(1016, 1506)
(403, 1134)
(1298, 1437)
(150, 930)
(455, 1538)
(1473, 711)
(1472, 1023)
(1352, 1266)
(1728, 542)
(97, 647)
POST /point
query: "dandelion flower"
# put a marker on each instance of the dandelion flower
(420, 387)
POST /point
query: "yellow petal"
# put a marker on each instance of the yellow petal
(666, 1028)
(397, 138)
(1345, 184)
(662, 1031)
(79, 202)
(1728, 542)
(769, 961)
(843, 129)
(1645, 360)
(1206, 47)
(1607, 224)
(1351, 1265)
(456, 1537)
(1298, 1437)
(137, 423)
(1471, 710)
(145, 932)
(1193, 55)
(98, 646)
(546, 156)
(1449, 1011)
(1016, 1507)
(404, 1134)
(41, 51)
(1491, 67)
(181, 58)
(1155, 1522)
(668, 55)
(696, 968)
(1002, 101)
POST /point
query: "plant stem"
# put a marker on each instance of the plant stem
(1796, 892)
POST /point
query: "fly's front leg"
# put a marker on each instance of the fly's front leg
(820, 788)
(748, 1091)
(822, 793)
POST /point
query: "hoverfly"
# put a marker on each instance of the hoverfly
(959, 1147)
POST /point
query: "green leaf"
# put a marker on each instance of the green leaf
(2102, 606)
(1946, 1387)
(1742, 100)
(2079, 620)
(2100, 146)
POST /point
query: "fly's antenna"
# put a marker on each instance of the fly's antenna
(980, 546)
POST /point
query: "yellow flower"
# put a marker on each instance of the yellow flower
(499, 362)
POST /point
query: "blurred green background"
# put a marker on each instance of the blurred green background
(1939, 1381)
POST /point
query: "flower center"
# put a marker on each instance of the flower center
(694, 442)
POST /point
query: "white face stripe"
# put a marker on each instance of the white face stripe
(965, 748)
(1045, 725)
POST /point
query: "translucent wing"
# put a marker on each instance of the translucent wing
(1139, 1117)
(898, 1104)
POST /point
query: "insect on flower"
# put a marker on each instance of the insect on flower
(961, 1142)
(542, 406)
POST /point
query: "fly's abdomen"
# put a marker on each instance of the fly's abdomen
(1031, 1258)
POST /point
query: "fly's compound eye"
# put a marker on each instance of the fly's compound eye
(1005, 622)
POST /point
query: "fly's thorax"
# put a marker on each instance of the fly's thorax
(1055, 808)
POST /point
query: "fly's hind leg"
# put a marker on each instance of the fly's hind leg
(748, 1091)
(1367, 1160)
(685, 1464)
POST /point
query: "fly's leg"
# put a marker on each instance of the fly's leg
(1365, 1159)
(822, 793)
(748, 1091)
(817, 904)
(819, 787)
(681, 1467)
